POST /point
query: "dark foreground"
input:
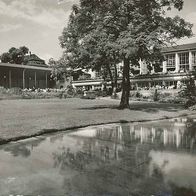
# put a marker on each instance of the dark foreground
(139, 159)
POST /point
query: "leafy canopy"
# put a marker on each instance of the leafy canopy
(15, 55)
(101, 30)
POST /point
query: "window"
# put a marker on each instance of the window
(194, 58)
(170, 59)
(184, 61)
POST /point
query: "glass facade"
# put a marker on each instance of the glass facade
(184, 61)
(170, 59)
(194, 58)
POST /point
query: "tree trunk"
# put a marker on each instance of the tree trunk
(114, 95)
(124, 103)
(111, 76)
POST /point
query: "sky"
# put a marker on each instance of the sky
(37, 24)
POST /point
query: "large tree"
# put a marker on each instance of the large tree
(15, 55)
(134, 30)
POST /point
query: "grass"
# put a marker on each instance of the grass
(25, 118)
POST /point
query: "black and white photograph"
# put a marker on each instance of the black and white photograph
(97, 97)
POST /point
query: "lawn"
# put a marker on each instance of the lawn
(25, 118)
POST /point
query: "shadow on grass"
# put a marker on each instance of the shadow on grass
(143, 106)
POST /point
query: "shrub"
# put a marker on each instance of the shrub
(189, 93)
(15, 90)
(2, 89)
(156, 95)
(138, 95)
(89, 95)
(70, 90)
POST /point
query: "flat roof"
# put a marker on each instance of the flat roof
(176, 48)
(25, 66)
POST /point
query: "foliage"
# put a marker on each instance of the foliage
(60, 68)
(70, 90)
(156, 95)
(15, 55)
(89, 95)
(189, 92)
(106, 31)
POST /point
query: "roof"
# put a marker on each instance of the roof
(25, 66)
(177, 48)
(33, 57)
(34, 60)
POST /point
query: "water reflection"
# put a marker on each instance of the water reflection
(154, 158)
(24, 149)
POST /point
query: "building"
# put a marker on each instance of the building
(178, 67)
(34, 74)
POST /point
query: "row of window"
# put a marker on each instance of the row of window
(183, 59)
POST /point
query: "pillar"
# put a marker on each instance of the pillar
(141, 66)
(23, 79)
(35, 79)
(190, 61)
(164, 63)
(10, 79)
(153, 69)
(46, 80)
(149, 84)
(177, 63)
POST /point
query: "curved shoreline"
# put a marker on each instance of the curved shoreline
(44, 132)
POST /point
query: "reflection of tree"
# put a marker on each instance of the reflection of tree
(66, 158)
(23, 148)
(19, 150)
(181, 191)
(115, 162)
(98, 169)
(191, 134)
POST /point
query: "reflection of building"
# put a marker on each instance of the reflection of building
(35, 73)
(135, 158)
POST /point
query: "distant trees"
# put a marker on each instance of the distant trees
(101, 33)
(15, 55)
(60, 68)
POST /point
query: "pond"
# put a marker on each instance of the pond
(139, 159)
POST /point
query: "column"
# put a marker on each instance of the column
(190, 61)
(35, 79)
(10, 79)
(46, 80)
(164, 63)
(136, 86)
(177, 63)
(153, 69)
(149, 84)
(141, 66)
(23, 79)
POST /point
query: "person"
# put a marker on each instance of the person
(33, 89)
